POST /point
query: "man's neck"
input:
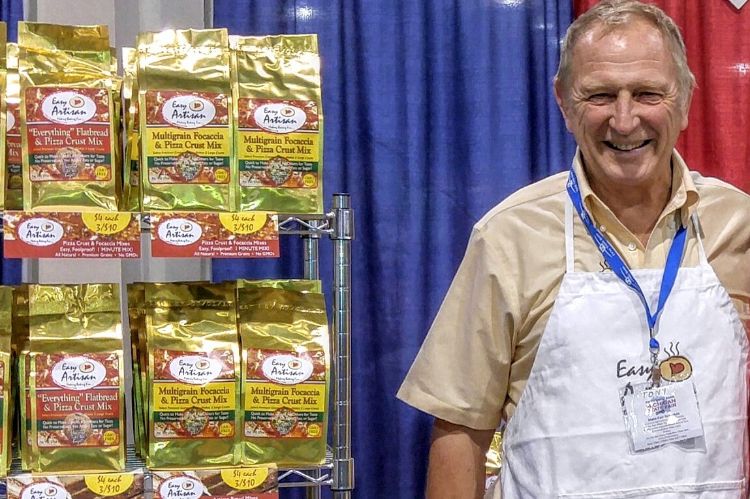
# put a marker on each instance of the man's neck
(638, 209)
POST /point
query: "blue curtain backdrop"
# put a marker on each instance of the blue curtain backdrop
(11, 11)
(434, 112)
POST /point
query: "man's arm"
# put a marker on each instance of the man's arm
(457, 458)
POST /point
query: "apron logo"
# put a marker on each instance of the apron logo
(675, 367)
(625, 371)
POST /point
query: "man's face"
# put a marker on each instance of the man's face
(623, 104)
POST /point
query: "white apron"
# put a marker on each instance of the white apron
(567, 437)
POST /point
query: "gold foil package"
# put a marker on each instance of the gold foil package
(495, 454)
(68, 129)
(13, 184)
(75, 374)
(6, 398)
(20, 348)
(136, 321)
(185, 119)
(277, 108)
(117, 119)
(303, 285)
(131, 197)
(3, 109)
(223, 374)
(204, 127)
(284, 338)
(193, 379)
(494, 459)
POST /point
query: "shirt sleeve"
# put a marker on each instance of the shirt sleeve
(461, 371)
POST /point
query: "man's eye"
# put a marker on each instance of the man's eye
(649, 97)
(601, 98)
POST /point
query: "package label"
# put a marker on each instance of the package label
(278, 143)
(68, 131)
(285, 394)
(215, 235)
(77, 400)
(194, 394)
(187, 138)
(71, 235)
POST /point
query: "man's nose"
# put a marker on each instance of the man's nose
(624, 119)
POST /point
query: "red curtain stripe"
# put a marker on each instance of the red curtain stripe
(716, 142)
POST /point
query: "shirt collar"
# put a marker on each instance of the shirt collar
(684, 197)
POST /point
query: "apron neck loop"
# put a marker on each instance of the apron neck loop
(569, 249)
(618, 264)
(699, 238)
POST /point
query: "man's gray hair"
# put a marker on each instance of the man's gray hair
(611, 14)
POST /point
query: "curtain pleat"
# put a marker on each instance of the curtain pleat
(11, 11)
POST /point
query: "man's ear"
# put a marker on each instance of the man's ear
(560, 99)
(686, 110)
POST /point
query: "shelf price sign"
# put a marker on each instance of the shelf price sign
(215, 235)
(114, 485)
(254, 482)
(71, 235)
(245, 478)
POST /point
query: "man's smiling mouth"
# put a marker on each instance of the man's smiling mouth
(626, 147)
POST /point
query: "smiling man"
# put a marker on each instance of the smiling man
(596, 312)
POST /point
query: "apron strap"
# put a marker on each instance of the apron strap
(699, 238)
(569, 250)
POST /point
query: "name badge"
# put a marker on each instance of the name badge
(656, 416)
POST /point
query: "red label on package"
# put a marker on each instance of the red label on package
(285, 394)
(215, 235)
(71, 235)
(68, 134)
(187, 138)
(279, 143)
(77, 400)
(193, 394)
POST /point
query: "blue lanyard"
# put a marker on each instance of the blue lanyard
(621, 269)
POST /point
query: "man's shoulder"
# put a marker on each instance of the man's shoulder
(545, 197)
(712, 189)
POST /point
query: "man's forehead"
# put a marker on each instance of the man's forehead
(635, 46)
(615, 36)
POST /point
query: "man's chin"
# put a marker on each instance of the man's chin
(627, 176)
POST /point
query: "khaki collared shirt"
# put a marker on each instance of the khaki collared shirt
(474, 363)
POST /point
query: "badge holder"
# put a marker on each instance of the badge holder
(659, 415)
